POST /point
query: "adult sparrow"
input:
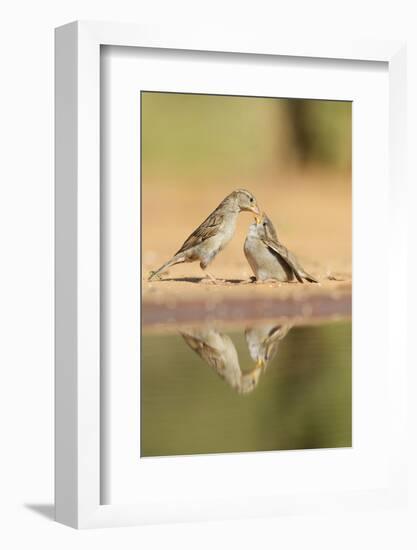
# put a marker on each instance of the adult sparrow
(214, 233)
(268, 258)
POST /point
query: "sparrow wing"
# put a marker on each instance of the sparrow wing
(278, 332)
(271, 341)
(207, 229)
(279, 249)
(223, 359)
(208, 353)
(289, 259)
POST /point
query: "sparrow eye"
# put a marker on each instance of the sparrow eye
(251, 199)
(264, 224)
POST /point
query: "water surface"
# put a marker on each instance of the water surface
(269, 386)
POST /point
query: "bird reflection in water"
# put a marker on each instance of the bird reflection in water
(219, 352)
(263, 341)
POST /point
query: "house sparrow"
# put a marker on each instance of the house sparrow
(263, 340)
(268, 258)
(218, 351)
(214, 233)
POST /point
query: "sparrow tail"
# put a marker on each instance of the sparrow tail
(177, 259)
(308, 277)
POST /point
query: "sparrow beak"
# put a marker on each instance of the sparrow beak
(259, 218)
(257, 212)
(260, 363)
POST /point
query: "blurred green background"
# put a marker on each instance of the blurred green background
(187, 135)
(302, 401)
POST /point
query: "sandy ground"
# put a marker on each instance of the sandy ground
(312, 215)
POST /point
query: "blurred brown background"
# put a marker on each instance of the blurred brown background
(293, 154)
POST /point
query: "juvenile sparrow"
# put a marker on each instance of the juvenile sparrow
(214, 233)
(218, 351)
(268, 258)
(263, 341)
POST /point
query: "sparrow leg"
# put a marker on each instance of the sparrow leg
(211, 278)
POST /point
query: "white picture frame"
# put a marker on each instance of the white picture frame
(78, 481)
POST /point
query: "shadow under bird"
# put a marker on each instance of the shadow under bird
(268, 258)
(214, 233)
(218, 351)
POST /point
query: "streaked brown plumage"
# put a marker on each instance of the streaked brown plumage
(214, 233)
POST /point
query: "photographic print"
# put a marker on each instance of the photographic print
(246, 274)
